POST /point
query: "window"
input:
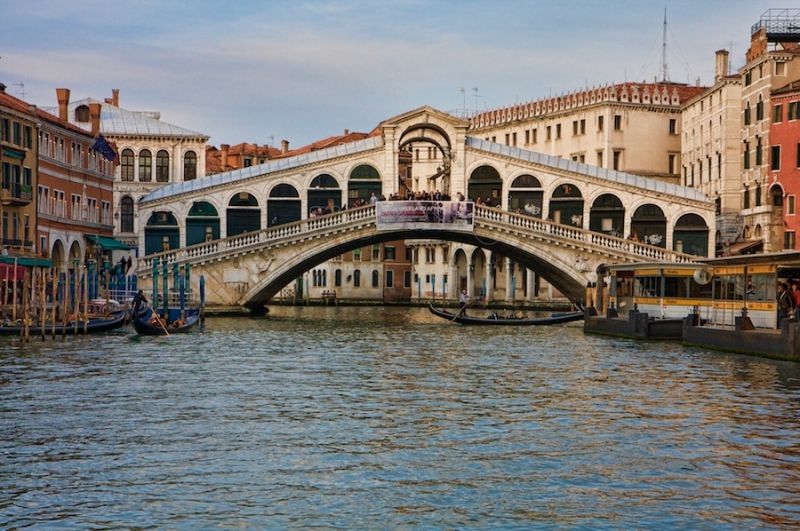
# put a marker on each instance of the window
(376, 253)
(337, 278)
(162, 166)
(759, 152)
(75, 212)
(777, 114)
(126, 214)
(388, 253)
(507, 139)
(27, 139)
(758, 195)
(760, 109)
(126, 161)
(617, 158)
(248, 162)
(26, 231)
(775, 158)
(599, 159)
(549, 136)
(527, 136)
(790, 205)
(748, 78)
(533, 134)
(17, 139)
(600, 123)
(376, 279)
(798, 154)
(514, 139)
(746, 154)
(673, 126)
(789, 239)
(357, 255)
(793, 110)
(583, 126)
(6, 133)
(407, 279)
(671, 164)
(780, 68)
(558, 131)
(189, 166)
(357, 278)
(145, 166)
(747, 114)
(390, 279)
(746, 198)
(409, 254)
(617, 122)
(575, 128)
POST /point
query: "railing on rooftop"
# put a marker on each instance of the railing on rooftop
(282, 234)
(781, 25)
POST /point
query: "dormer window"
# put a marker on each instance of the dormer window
(82, 114)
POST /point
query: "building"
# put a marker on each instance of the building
(152, 153)
(784, 158)
(631, 127)
(773, 61)
(18, 160)
(711, 125)
(74, 190)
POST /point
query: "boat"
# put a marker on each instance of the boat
(149, 323)
(499, 320)
(113, 321)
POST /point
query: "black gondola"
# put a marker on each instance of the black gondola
(148, 323)
(96, 324)
(497, 320)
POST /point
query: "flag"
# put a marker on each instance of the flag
(108, 151)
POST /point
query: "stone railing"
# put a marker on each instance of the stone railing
(337, 221)
(575, 234)
(261, 238)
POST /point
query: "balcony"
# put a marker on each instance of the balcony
(16, 194)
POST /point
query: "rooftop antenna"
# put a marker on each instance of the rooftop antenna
(475, 90)
(664, 73)
(463, 101)
(21, 92)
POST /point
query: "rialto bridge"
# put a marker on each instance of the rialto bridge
(251, 232)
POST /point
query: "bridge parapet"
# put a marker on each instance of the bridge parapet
(489, 217)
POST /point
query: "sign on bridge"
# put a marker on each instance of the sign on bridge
(450, 215)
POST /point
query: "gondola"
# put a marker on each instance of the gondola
(96, 324)
(496, 320)
(148, 323)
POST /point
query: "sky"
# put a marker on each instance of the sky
(301, 70)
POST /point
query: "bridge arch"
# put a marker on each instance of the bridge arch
(529, 253)
(161, 232)
(283, 205)
(58, 253)
(362, 181)
(242, 214)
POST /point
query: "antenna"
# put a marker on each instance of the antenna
(475, 90)
(463, 101)
(21, 92)
(664, 73)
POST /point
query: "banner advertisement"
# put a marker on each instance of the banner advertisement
(434, 215)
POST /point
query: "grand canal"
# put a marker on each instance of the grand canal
(388, 417)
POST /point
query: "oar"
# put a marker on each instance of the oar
(160, 322)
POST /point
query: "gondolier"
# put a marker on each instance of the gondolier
(463, 299)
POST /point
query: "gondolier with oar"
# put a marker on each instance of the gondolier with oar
(463, 299)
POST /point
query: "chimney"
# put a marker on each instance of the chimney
(722, 65)
(62, 95)
(346, 132)
(2, 87)
(115, 97)
(94, 118)
(284, 146)
(223, 159)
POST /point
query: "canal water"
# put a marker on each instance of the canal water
(389, 417)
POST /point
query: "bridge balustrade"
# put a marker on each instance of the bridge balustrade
(625, 248)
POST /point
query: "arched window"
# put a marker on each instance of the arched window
(145, 166)
(649, 225)
(357, 278)
(126, 214)
(243, 214)
(485, 184)
(283, 205)
(607, 215)
(690, 235)
(162, 166)
(337, 278)
(376, 279)
(777, 196)
(363, 182)
(566, 205)
(126, 163)
(189, 166)
(324, 194)
(82, 113)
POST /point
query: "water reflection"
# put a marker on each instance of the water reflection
(389, 417)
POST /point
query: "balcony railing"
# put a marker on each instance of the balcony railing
(16, 193)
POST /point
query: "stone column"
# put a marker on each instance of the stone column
(470, 278)
(531, 294)
(488, 277)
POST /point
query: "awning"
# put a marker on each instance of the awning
(13, 153)
(109, 244)
(26, 261)
(9, 272)
(746, 247)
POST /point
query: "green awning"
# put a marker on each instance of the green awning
(13, 153)
(109, 244)
(26, 261)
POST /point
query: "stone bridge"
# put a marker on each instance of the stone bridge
(248, 269)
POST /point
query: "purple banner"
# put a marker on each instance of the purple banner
(449, 215)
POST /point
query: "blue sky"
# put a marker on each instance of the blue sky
(301, 70)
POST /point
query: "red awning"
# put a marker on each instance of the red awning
(7, 272)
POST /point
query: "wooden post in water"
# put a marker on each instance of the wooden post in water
(14, 301)
(76, 296)
(85, 300)
(25, 296)
(65, 303)
(54, 304)
(43, 302)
